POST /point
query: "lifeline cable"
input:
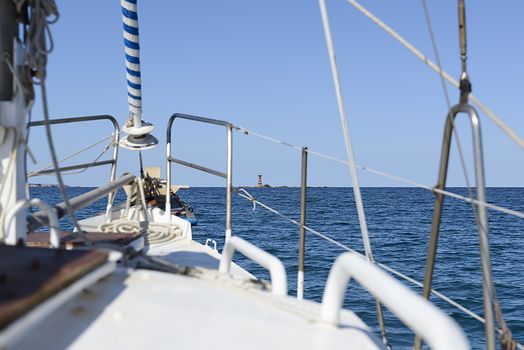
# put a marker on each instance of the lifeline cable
(36, 172)
(387, 175)
(245, 194)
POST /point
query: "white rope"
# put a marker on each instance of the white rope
(243, 193)
(155, 233)
(345, 129)
(395, 177)
(485, 109)
(50, 165)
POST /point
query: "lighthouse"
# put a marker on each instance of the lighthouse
(260, 184)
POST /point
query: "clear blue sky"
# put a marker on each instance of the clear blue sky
(263, 65)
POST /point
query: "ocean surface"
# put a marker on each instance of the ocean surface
(399, 221)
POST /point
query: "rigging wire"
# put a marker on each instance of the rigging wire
(245, 194)
(52, 150)
(465, 90)
(39, 44)
(104, 151)
(484, 108)
(506, 338)
(387, 175)
(36, 172)
(436, 52)
(350, 155)
(446, 96)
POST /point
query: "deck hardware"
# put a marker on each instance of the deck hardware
(261, 257)
(481, 214)
(209, 240)
(302, 239)
(480, 210)
(439, 330)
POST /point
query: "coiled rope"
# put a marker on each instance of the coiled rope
(155, 233)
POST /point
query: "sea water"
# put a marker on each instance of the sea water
(399, 222)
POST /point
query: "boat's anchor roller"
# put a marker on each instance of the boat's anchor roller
(137, 130)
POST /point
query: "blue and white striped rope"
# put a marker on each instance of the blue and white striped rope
(132, 50)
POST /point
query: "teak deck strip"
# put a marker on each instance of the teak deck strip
(29, 276)
(70, 240)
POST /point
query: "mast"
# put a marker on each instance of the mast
(138, 130)
(14, 105)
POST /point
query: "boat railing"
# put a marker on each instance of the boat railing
(228, 175)
(477, 203)
(261, 257)
(302, 223)
(438, 329)
(115, 138)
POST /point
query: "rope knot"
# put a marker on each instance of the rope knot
(506, 340)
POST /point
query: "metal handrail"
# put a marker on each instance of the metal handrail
(112, 162)
(270, 262)
(228, 175)
(439, 330)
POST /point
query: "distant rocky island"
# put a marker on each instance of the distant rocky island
(264, 186)
(43, 185)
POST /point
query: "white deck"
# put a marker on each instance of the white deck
(136, 309)
(190, 253)
(153, 309)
